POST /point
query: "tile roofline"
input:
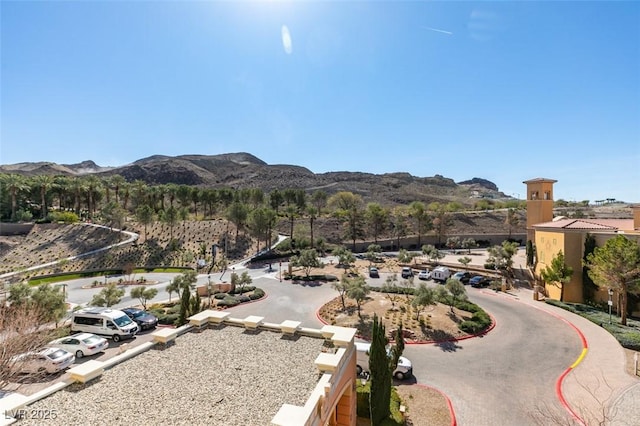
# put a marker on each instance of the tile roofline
(540, 180)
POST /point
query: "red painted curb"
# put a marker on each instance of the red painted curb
(454, 422)
(560, 380)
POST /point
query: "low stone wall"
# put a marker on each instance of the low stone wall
(10, 229)
(411, 243)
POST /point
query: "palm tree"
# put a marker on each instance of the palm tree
(125, 190)
(61, 185)
(116, 182)
(172, 192)
(77, 186)
(14, 184)
(94, 184)
(44, 183)
(291, 212)
(312, 213)
(140, 192)
(196, 196)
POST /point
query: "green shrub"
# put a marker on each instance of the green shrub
(174, 309)
(220, 296)
(228, 301)
(257, 294)
(628, 336)
(468, 306)
(362, 407)
(470, 327)
(242, 298)
(167, 319)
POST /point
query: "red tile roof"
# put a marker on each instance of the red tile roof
(589, 224)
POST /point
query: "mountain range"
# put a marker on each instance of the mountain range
(244, 170)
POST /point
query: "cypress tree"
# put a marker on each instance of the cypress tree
(588, 285)
(380, 396)
(185, 305)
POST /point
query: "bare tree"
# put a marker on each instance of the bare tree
(20, 331)
(596, 409)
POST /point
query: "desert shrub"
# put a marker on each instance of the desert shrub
(167, 319)
(220, 296)
(468, 306)
(478, 322)
(228, 301)
(243, 298)
(257, 294)
(66, 217)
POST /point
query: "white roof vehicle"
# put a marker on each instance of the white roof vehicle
(49, 360)
(81, 344)
(403, 370)
(424, 274)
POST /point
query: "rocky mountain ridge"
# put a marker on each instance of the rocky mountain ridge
(244, 170)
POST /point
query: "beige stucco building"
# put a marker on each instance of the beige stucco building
(551, 235)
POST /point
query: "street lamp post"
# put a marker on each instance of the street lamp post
(610, 303)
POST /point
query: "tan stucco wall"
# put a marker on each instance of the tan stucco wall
(548, 244)
(573, 248)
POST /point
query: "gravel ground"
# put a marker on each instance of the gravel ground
(217, 377)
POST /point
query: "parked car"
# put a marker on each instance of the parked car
(479, 281)
(463, 277)
(424, 274)
(406, 272)
(49, 360)
(373, 272)
(81, 344)
(144, 319)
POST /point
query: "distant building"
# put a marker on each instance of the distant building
(550, 235)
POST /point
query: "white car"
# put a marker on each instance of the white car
(49, 360)
(81, 344)
(424, 274)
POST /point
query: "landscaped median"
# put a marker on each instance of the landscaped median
(437, 322)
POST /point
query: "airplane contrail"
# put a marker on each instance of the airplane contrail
(439, 31)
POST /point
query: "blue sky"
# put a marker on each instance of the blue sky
(505, 91)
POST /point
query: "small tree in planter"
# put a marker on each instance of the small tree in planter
(108, 296)
(307, 259)
(143, 294)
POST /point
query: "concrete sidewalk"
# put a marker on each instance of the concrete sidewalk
(598, 386)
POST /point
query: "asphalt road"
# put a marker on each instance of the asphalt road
(506, 376)
(503, 378)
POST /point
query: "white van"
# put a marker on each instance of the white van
(403, 370)
(440, 274)
(104, 321)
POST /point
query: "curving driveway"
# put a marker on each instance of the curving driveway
(504, 377)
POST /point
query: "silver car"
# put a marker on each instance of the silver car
(47, 360)
(81, 344)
